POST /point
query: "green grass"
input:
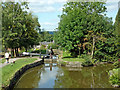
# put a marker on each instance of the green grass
(9, 70)
(67, 57)
(66, 54)
(3, 60)
(73, 59)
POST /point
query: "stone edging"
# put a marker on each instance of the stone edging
(20, 72)
(69, 64)
(76, 63)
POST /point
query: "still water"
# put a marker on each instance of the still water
(52, 76)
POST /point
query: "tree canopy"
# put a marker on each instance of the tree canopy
(19, 28)
(117, 29)
(84, 28)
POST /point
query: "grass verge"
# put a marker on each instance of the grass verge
(3, 60)
(67, 57)
(73, 59)
(9, 70)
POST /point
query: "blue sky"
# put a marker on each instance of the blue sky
(48, 10)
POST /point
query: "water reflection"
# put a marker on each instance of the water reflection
(52, 76)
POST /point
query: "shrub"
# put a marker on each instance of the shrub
(87, 63)
(43, 47)
(36, 51)
(53, 46)
(30, 50)
(117, 64)
(22, 50)
(43, 51)
(114, 77)
(88, 60)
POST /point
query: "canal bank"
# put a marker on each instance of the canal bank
(16, 70)
(78, 63)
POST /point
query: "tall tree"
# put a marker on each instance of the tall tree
(77, 19)
(117, 29)
(84, 27)
(19, 26)
(46, 36)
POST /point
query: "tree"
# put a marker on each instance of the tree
(117, 29)
(77, 19)
(11, 14)
(46, 36)
(19, 27)
(84, 28)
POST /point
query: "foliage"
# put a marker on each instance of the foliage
(114, 77)
(117, 31)
(87, 63)
(43, 51)
(53, 46)
(84, 28)
(117, 64)
(3, 60)
(35, 51)
(66, 54)
(19, 27)
(43, 47)
(45, 36)
(87, 60)
(22, 50)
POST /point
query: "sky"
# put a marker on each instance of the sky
(47, 11)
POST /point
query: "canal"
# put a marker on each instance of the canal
(50, 75)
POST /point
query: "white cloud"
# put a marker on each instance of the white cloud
(48, 23)
(49, 2)
(42, 9)
(112, 7)
(113, 0)
(61, 8)
(38, 6)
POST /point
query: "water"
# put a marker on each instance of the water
(52, 76)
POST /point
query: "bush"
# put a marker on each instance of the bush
(108, 58)
(43, 47)
(114, 77)
(36, 51)
(43, 51)
(87, 63)
(88, 60)
(73, 54)
(117, 64)
(53, 46)
(22, 50)
(30, 50)
(85, 56)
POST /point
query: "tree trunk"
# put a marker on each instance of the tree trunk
(92, 54)
(12, 52)
(16, 52)
(26, 49)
